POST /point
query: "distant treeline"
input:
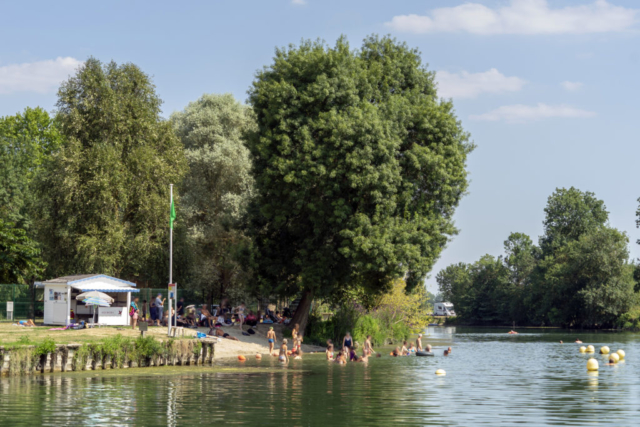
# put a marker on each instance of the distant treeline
(579, 275)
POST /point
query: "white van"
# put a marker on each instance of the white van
(443, 309)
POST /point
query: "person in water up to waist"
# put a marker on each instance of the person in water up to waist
(347, 341)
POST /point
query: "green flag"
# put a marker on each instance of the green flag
(172, 214)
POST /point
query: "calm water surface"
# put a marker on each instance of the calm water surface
(492, 379)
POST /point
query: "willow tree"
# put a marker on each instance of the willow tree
(104, 195)
(359, 167)
(216, 190)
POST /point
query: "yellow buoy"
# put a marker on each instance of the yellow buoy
(621, 353)
(604, 350)
(590, 349)
(583, 349)
(614, 358)
(592, 365)
(441, 372)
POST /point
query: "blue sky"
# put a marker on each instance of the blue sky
(548, 90)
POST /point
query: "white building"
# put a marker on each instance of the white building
(60, 298)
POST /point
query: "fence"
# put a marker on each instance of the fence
(27, 302)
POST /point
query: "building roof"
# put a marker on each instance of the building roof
(75, 280)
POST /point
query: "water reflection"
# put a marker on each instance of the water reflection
(492, 379)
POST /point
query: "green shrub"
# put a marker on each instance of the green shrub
(45, 347)
(148, 347)
(80, 357)
(367, 325)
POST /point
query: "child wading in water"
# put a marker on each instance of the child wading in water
(283, 357)
(367, 348)
(330, 353)
(271, 336)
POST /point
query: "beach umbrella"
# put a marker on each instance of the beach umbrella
(95, 294)
(96, 302)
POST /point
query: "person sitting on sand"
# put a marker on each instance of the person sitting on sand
(206, 319)
(329, 352)
(283, 356)
(419, 342)
(191, 318)
(271, 337)
(341, 359)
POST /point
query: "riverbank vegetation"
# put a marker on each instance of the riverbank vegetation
(579, 274)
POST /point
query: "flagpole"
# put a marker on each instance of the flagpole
(170, 260)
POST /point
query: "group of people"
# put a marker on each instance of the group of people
(156, 313)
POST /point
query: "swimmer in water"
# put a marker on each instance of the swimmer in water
(449, 350)
(283, 357)
(513, 333)
(428, 348)
(340, 359)
(330, 353)
(578, 341)
(446, 352)
(396, 352)
(405, 351)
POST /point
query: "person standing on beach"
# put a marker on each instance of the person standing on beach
(159, 308)
(133, 312)
(271, 336)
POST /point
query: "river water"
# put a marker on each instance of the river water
(492, 379)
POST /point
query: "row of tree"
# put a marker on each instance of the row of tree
(579, 275)
(341, 175)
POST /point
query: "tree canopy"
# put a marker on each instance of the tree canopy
(216, 190)
(104, 195)
(358, 165)
(580, 277)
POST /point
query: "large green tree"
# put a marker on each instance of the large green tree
(104, 195)
(20, 260)
(27, 139)
(359, 167)
(217, 190)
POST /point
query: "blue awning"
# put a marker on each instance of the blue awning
(110, 290)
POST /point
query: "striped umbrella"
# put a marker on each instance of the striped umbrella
(93, 301)
(96, 301)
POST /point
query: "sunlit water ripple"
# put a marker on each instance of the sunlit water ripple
(492, 379)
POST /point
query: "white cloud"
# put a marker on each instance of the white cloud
(470, 85)
(40, 76)
(520, 17)
(525, 113)
(571, 86)
(299, 2)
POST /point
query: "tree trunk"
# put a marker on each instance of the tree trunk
(301, 316)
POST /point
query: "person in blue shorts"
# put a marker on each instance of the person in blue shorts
(271, 336)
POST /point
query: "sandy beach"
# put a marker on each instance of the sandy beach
(253, 344)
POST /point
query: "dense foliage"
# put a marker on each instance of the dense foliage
(358, 166)
(393, 317)
(103, 196)
(216, 192)
(580, 276)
